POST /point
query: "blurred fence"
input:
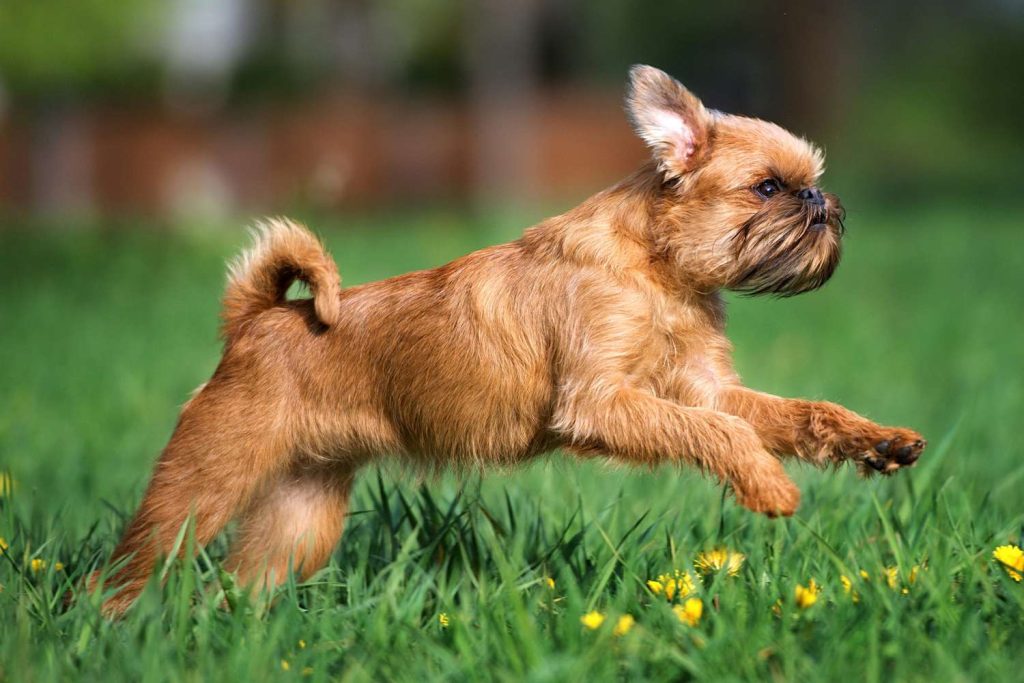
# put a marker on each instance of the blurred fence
(326, 152)
(158, 107)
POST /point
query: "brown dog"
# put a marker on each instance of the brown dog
(599, 332)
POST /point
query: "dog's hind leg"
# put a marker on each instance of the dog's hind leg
(293, 525)
(229, 439)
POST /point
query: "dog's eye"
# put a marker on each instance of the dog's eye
(767, 188)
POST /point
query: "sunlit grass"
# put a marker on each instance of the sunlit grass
(501, 577)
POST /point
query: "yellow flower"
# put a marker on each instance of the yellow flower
(864, 575)
(690, 611)
(3, 544)
(302, 645)
(677, 584)
(592, 620)
(38, 565)
(549, 582)
(1012, 559)
(1011, 556)
(6, 484)
(622, 626)
(848, 588)
(912, 578)
(807, 596)
(442, 619)
(285, 665)
(891, 575)
(715, 560)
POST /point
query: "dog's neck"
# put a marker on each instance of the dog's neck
(615, 230)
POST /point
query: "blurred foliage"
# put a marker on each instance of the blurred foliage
(915, 98)
(61, 48)
(934, 109)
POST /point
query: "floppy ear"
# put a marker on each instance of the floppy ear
(669, 118)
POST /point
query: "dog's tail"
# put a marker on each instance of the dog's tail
(282, 252)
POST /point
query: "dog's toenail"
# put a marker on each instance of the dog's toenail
(882, 446)
(919, 444)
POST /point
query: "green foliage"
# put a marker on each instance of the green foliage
(59, 46)
(105, 335)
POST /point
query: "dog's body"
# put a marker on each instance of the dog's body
(600, 332)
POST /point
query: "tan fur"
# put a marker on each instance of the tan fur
(600, 331)
(283, 252)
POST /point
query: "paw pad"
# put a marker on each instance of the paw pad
(889, 455)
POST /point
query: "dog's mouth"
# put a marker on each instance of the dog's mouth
(789, 250)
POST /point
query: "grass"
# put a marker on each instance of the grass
(104, 335)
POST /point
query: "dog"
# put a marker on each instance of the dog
(599, 332)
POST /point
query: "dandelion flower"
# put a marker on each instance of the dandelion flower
(1010, 555)
(891, 575)
(302, 645)
(592, 620)
(3, 544)
(848, 588)
(442, 619)
(716, 560)
(864, 575)
(678, 584)
(549, 582)
(690, 611)
(285, 666)
(37, 565)
(622, 626)
(807, 596)
(58, 566)
(1012, 559)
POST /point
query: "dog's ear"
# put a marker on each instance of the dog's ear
(669, 118)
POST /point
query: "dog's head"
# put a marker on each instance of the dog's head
(740, 206)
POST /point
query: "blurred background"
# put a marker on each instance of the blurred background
(139, 137)
(176, 109)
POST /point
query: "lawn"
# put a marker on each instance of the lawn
(103, 334)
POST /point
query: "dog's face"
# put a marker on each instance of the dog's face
(741, 207)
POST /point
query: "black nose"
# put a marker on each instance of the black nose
(812, 195)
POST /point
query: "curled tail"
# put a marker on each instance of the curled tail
(282, 252)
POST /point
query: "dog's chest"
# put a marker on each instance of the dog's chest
(690, 357)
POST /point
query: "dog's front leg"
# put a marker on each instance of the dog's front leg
(822, 432)
(641, 428)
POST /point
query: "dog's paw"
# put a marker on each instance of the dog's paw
(892, 450)
(777, 497)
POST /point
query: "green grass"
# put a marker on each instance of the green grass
(104, 335)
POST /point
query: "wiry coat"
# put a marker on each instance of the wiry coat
(600, 332)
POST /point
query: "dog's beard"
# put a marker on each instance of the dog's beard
(787, 250)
